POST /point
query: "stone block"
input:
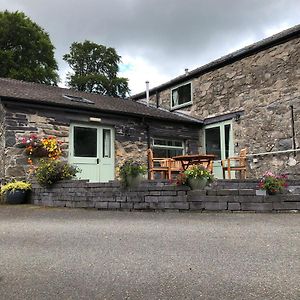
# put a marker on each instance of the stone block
(181, 193)
(248, 199)
(154, 193)
(121, 198)
(91, 204)
(126, 205)
(211, 192)
(151, 199)
(234, 206)
(247, 192)
(228, 192)
(168, 193)
(257, 206)
(142, 205)
(101, 205)
(135, 199)
(286, 205)
(62, 203)
(175, 205)
(113, 205)
(196, 205)
(215, 205)
(81, 204)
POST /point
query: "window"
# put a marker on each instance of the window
(85, 142)
(78, 99)
(181, 96)
(167, 148)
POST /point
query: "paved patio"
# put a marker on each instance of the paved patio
(50, 253)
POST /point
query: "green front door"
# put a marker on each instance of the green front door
(92, 150)
(219, 141)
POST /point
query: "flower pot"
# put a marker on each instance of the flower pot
(15, 197)
(133, 181)
(261, 192)
(197, 183)
(269, 192)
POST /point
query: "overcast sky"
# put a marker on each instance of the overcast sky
(158, 39)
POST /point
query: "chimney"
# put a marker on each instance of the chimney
(147, 92)
(186, 70)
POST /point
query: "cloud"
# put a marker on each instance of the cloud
(165, 36)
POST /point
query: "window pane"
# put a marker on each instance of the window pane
(85, 142)
(161, 152)
(106, 143)
(213, 141)
(181, 95)
(227, 139)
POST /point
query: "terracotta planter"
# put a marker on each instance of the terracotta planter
(197, 183)
(15, 197)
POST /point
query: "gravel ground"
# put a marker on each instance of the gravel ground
(49, 253)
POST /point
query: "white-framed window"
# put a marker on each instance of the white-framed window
(181, 95)
(167, 147)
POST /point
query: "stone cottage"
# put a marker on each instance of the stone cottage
(247, 99)
(98, 133)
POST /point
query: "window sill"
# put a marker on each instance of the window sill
(181, 106)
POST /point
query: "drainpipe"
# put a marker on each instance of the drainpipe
(293, 128)
(147, 92)
(157, 99)
(148, 142)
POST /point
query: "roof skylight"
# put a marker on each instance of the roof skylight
(78, 99)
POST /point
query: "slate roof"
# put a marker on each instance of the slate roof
(50, 95)
(264, 44)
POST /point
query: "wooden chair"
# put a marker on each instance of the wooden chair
(175, 167)
(236, 163)
(160, 165)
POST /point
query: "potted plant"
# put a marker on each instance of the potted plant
(131, 173)
(197, 177)
(15, 192)
(273, 183)
(51, 171)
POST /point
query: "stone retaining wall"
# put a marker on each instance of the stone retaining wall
(159, 196)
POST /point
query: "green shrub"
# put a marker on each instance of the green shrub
(52, 171)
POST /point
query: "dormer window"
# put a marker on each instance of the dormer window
(78, 99)
(181, 96)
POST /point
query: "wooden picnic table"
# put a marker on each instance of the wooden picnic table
(205, 160)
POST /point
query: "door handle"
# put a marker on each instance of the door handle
(97, 161)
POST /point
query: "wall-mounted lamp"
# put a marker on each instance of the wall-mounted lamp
(237, 117)
(92, 119)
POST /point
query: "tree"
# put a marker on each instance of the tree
(95, 69)
(26, 52)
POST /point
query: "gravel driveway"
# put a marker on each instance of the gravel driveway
(87, 254)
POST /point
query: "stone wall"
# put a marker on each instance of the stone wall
(131, 134)
(153, 195)
(20, 123)
(2, 142)
(264, 85)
